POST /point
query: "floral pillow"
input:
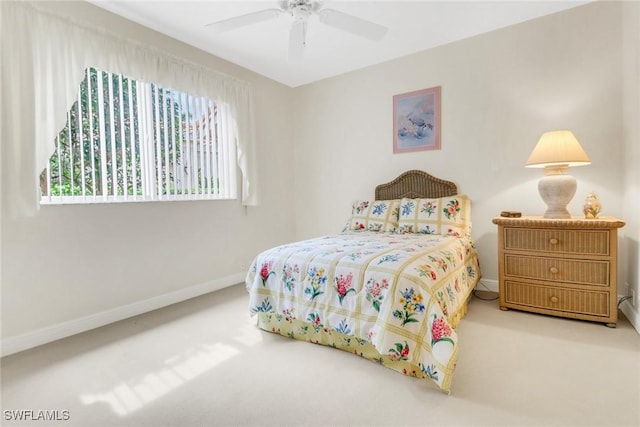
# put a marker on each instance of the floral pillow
(378, 215)
(446, 216)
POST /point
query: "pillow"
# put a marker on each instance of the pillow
(378, 215)
(446, 216)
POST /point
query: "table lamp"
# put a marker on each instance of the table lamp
(556, 151)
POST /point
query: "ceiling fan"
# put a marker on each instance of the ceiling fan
(301, 10)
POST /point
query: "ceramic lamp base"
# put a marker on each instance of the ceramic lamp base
(557, 189)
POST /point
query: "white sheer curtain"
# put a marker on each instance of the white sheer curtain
(43, 58)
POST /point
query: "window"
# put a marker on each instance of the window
(127, 140)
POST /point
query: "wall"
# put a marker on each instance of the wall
(500, 92)
(631, 104)
(75, 267)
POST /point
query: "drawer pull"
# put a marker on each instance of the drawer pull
(554, 270)
(554, 299)
(553, 241)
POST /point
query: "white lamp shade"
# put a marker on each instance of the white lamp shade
(558, 147)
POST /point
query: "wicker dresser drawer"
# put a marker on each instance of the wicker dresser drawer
(594, 242)
(558, 269)
(591, 303)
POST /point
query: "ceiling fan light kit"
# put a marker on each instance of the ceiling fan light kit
(301, 11)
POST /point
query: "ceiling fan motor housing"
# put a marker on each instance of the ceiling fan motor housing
(300, 9)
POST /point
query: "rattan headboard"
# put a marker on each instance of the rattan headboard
(415, 184)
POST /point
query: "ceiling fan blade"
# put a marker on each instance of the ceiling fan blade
(243, 20)
(297, 40)
(352, 24)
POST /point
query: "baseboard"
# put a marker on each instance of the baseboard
(631, 315)
(487, 285)
(52, 333)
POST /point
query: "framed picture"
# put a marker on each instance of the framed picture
(416, 120)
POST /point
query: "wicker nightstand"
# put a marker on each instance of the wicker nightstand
(560, 267)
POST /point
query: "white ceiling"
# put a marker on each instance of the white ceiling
(263, 47)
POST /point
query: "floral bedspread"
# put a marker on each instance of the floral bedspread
(401, 293)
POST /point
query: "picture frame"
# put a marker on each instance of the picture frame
(416, 120)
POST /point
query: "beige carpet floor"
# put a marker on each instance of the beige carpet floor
(204, 363)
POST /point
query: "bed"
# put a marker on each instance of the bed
(391, 287)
